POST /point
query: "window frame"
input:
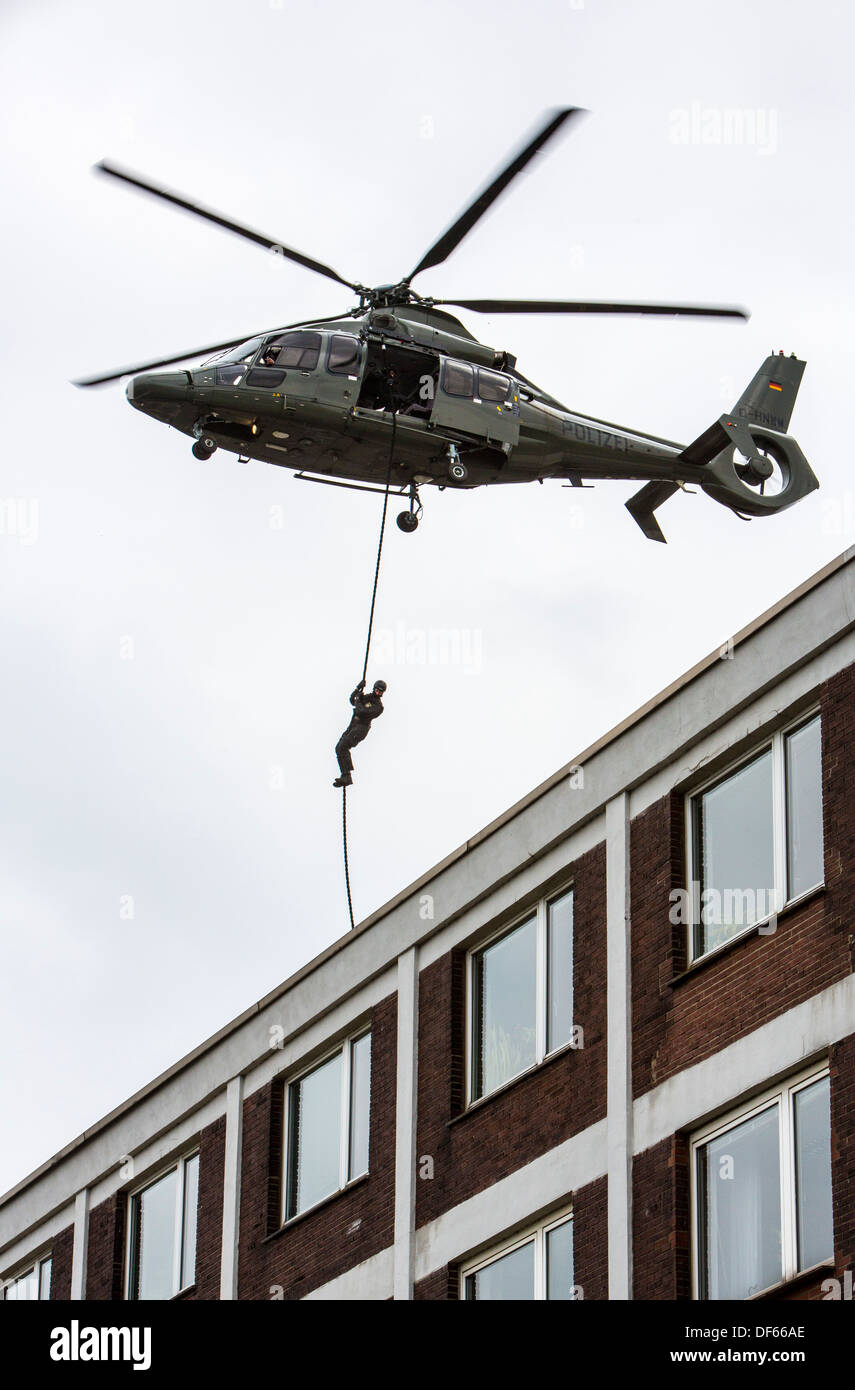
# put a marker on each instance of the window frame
(344, 1047)
(131, 1243)
(31, 1266)
(776, 742)
(781, 1095)
(534, 1234)
(540, 912)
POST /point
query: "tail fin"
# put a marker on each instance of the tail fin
(770, 398)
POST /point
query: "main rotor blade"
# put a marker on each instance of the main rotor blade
(269, 243)
(594, 306)
(443, 248)
(203, 352)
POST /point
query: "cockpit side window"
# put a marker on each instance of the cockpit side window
(231, 375)
(492, 387)
(299, 350)
(343, 354)
(458, 379)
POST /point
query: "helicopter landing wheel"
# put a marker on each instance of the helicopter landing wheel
(408, 521)
(458, 472)
(204, 447)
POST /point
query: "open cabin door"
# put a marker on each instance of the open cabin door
(480, 403)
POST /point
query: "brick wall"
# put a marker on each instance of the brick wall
(561, 1098)
(661, 1221)
(106, 1249)
(591, 1240)
(292, 1260)
(678, 1022)
(442, 1285)
(209, 1214)
(842, 1085)
(60, 1272)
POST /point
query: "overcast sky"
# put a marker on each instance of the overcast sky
(177, 663)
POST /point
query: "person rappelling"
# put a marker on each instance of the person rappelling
(365, 709)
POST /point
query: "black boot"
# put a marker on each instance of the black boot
(344, 781)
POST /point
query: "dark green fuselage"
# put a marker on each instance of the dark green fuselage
(450, 396)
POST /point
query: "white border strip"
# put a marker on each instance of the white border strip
(773, 1050)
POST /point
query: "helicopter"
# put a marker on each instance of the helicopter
(395, 393)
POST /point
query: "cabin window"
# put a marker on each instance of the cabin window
(343, 355)
(458, 379)
(492, 387)
(299, 351)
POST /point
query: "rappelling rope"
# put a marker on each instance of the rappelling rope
(367, 650)
(344, 842)
(380, 546)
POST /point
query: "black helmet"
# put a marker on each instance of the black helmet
(381, 686)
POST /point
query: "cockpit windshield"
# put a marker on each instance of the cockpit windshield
(244, 352)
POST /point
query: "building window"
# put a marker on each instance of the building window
(32, 1284)
(763, 1192)
(537, 1266)
(327, 1119)
(756, 837)
(162, 1233)
(521, 993)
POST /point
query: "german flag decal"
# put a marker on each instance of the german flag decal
(773, 386)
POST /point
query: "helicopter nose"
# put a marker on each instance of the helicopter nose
(152, 388)
(146, 385)
(141, 388)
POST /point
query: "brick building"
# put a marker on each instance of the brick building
(605, 1049)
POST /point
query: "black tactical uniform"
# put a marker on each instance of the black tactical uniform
(365, 708)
